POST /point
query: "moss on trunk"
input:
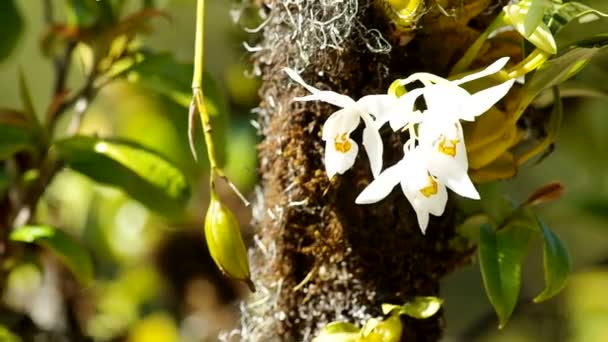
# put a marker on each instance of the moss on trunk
(319, 256)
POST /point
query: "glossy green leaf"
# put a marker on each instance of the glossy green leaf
(162, 74)
(554, 72)
(12, 27)
(557, 264)
(143, 174)
(338, 332)
(419, 307)
(74, 255)
(15, 134)
(500, 257)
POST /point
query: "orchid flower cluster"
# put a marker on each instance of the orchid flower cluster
(434, 156)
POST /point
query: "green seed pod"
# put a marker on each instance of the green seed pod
(225, 242)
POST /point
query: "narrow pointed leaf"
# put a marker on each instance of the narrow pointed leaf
(143, 174)
(500, 257)
(74, 255)
(557, 264)
(26, 99)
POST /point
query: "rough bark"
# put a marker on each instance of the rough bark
(319, 256)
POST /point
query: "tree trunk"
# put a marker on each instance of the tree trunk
(319, 257)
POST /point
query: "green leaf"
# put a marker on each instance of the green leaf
(554, 72)
(500, 257)
(579, 25)
(143, 174)
(557, 264)
(419, 307)
(338, 332)
(15, 134)
(12, 27)
(26, 99)
(74, 255)
(163, 74)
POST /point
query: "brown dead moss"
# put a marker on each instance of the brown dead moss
(320, 256)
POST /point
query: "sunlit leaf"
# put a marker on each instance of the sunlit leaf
(338, 332)
(557, 264)
(12, 27)
(74, 255)
(143, 174)
(388, 330)
(418, 307)
(500, 257)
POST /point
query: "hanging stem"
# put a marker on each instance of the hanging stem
(198, 103)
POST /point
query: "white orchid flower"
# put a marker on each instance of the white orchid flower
(449, 98)
(424, 191)
(446, 154)
(440, 132)
(340, 149)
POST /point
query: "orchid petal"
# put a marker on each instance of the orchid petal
(296, 77)
(483, 100)
(463, 186)
(379, 106)
(491, 69)
(343, 121)
(338, 162)
(405, 113)
(330, 97)
(380, 187)
(373, 147)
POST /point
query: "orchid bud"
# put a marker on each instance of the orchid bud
(225, 242)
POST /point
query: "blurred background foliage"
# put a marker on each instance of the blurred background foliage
(154, 279)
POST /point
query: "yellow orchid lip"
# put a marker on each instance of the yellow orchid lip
(342, 143)
(447, 147)
(430, 189)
